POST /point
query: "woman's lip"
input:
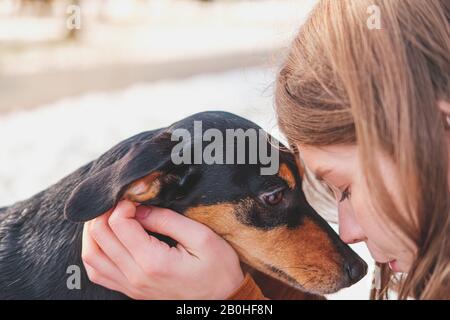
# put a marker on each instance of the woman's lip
(393, 265)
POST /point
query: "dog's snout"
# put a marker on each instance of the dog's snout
(355, 270)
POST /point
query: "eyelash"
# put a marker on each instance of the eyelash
(345, 194)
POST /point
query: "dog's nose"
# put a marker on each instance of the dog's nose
(355, 270)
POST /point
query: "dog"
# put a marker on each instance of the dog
(265, 218)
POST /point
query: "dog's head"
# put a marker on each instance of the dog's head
(266, 218)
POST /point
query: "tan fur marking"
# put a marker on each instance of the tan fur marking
(286, 174)
(305, 253)
(144, 189)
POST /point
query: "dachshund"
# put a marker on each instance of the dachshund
(264, 217)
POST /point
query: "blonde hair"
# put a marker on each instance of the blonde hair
(343, 82)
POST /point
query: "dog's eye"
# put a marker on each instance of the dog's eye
(273, 198)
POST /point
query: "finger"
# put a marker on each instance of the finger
(189, 233)
(113, 248)
(94, 257)
(149, 252)
(97, 277)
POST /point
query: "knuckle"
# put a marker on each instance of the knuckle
(166, 211)
(88, 256)
(151, 268)
(148, 267)
(113, 221)
(136, 281)
(203, 241)
(162, 222)
(206, 238)
(96, 228)
(94, 275)
(155, 267)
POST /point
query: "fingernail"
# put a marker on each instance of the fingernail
(143, 212)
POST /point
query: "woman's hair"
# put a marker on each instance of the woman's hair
(344, 82)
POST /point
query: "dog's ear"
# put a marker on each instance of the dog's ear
(138, 176)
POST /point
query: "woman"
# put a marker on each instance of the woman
(369, 111)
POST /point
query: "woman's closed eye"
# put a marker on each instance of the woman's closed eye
(345, 194)
(338, 194)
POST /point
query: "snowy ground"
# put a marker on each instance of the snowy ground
(43, 145)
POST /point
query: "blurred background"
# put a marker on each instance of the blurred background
(78, 76)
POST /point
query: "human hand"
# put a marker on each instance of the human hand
(119, 254)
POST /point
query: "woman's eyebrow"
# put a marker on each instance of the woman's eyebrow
(320, 173)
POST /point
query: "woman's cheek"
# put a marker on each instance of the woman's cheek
(382, 240)
(371, 224)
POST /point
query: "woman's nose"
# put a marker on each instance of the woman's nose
(349, 230)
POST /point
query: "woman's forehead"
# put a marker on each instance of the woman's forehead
(324, 158)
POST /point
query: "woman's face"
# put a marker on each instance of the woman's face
(338, 167)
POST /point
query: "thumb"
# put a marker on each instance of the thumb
(189, 233)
